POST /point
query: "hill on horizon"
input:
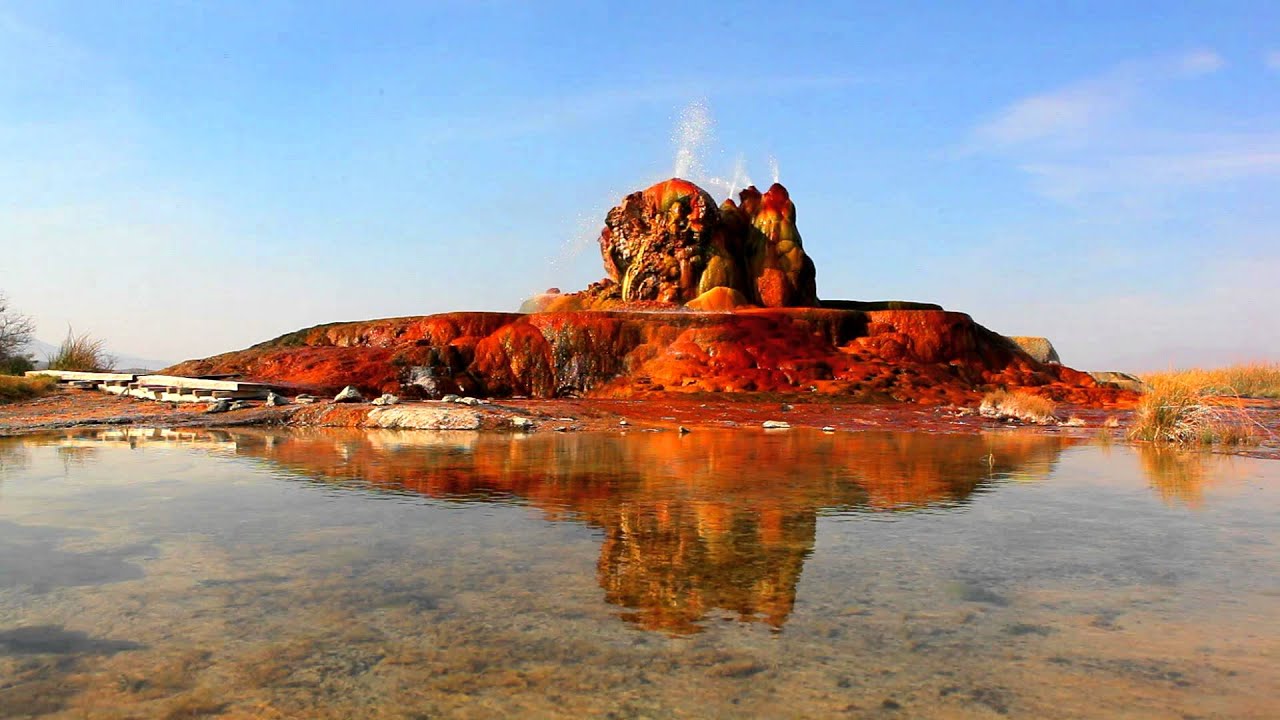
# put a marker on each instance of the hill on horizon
(42, 351)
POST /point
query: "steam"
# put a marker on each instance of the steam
(773, 168)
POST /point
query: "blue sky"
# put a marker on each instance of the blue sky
(187, 178)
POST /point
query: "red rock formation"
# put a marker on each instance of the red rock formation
(730, 306)
(671, 244)
(927, 356)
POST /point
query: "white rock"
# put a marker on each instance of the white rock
(349, 395)
(387, 399)
(775, 425)
(219, 406)
(305, 399)
(521, 423)
(274, 400)
(423, 416)
(828, 428)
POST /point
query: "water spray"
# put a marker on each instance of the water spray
(692, 133)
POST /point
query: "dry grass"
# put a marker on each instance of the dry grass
(1179, 410)
(1018, 405)
(14, 389)
(1253, 380)
(82, 353)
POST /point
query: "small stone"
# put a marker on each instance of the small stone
(623, 422)
(349, 395)
(683, 430)
(787, 407)
(240, 405)
(305, 399)
(561, 428)
(775, 425)
(387, 399)
(521, 423)
(470, 401)
(274, 400)
(828, 429)
(219, 406)
(450, 398)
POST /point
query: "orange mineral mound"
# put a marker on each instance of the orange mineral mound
(698, 298)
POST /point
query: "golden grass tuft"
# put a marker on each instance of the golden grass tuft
(82, 353)
(15, 389)
(1018, 405)
(1179, 410)
(1252, 380)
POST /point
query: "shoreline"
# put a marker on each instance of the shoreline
(68, 409)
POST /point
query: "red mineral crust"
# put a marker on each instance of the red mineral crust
(698, 298)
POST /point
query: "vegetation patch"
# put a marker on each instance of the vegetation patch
(14, 389)
(81, 353)
(1250, 380)
(1181, 410)
(1023, 406)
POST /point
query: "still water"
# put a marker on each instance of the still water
(265, 574)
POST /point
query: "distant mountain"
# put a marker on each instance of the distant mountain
(42, 350)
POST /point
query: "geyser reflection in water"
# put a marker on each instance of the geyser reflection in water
(348, 574)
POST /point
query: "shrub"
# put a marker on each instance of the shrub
(1018, 405)
(1177, 410)
(81, 352)
(16, 365)
(13, 389)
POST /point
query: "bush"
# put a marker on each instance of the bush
(16, 365)
(1020, 405)
(81, 352)
(13, 389)
(1177, 410)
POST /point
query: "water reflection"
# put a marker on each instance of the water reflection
(709, 523)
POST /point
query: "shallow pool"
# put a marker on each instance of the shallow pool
(717, 574)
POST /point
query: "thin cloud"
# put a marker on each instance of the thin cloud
(1202, 62)
(1110, 136)
(1069, 109)
(1072, 111)
(1138, 174)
